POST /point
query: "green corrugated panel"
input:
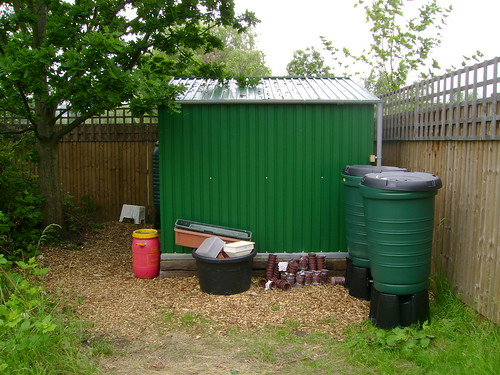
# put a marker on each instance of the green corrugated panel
(273, 169)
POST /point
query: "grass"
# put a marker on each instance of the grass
(35, 337)
(456, 341)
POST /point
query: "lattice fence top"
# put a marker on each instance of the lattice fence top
(116, 125)
(462, 105)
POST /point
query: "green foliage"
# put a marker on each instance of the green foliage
(89, 56)
(405, 338)
(78, 215)
(238, 54)
(30, 336)
(244, 81)
(400, 46)
(235, 57)
(468, 342)
(20, 216)
(308, 63)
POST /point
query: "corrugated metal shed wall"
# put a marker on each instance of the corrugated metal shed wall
(273, 169)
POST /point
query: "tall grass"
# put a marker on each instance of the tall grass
(34, 337)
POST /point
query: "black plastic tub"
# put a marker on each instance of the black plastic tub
(225, 276)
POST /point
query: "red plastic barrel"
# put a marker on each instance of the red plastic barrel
(145, 253)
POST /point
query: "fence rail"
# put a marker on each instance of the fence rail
(461, 105)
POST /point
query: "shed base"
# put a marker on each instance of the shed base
(184, 265)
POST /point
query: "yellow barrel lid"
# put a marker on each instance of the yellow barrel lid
(145, 233)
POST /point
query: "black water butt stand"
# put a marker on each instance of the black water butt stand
(358, 281)
(390, 310)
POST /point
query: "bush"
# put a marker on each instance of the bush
(20, 201)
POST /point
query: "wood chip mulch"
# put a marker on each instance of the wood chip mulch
(97, 281)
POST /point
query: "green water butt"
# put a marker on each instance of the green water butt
(399, 219)
(357, 244)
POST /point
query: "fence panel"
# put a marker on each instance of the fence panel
(450, 126)
(467, 237)
(461, 105)
(108, 159)
(109, 173)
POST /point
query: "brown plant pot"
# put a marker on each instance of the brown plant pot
(192, 239)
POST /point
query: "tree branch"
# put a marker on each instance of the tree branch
(61, 113)
(13, 132)
(137, 53)
(66, 129)
(24, 98)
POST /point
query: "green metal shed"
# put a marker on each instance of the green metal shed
(266, 159)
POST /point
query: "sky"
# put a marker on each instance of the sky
(289, 25)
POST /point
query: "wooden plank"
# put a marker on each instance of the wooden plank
(491, 279)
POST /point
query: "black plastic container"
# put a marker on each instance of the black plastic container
(225, 276)
(390, 310)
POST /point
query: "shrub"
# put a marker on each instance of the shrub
(20, 201)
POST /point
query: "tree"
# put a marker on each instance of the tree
(239, 55)
(399, 45)
(308, 63)
(88, 56)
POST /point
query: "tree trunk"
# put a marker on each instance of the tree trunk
(49, 180)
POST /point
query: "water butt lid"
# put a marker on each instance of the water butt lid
(404, 181)
(361, 170)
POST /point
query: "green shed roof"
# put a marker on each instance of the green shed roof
(275, 90)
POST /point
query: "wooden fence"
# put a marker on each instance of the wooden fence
(109, 173)
(458, 140)
(448, 125)
(108, 159)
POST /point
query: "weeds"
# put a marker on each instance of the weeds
(78, 216)
(20, 216)
(32, 338)
(455, 341)
(403, 338)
